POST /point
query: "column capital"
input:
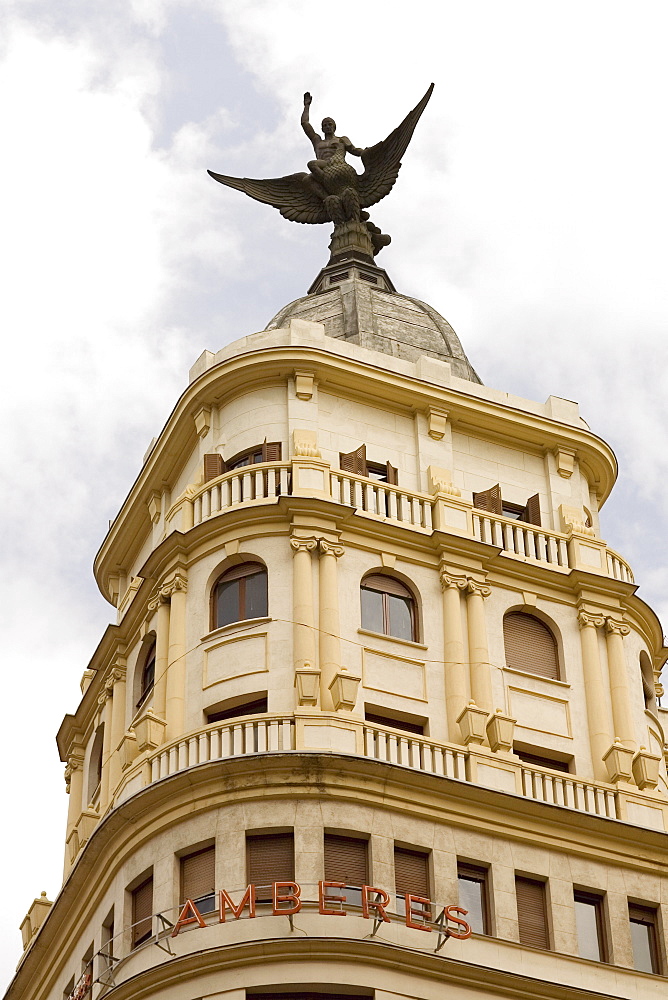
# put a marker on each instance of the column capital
(449, 582)
(75, 762)
(118, 673)
(472, 586)
(298, 544)
(330, 548)
(614, 627)
(586, 619)
(164, 593)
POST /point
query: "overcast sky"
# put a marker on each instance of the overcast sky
(530, 211)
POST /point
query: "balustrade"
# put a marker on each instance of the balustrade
(529, 541)
(382, 499)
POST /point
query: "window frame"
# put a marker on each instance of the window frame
(650, 913)
(595, 900)
(409, 598)
(479, 873)
(147, 686)
(233, 573)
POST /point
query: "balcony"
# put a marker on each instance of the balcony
(266, 482)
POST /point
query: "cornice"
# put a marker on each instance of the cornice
(253, 367)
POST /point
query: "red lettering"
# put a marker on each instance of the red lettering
(466, 930)
(248, 899)
(374, 904)
(424, 912)
(324, 898)
(286, 897)
(194, 917)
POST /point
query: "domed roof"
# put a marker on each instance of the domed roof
(358, 303)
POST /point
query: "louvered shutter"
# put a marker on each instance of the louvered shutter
(197, 874)
(142, 909)
(532, 510)
(531, 912)
(271, 451)
(213, 466)
(411, 872)
(530, 646)
(392, 474)
(354, 461)
(489, 500)
(270, 858)
(346, 860)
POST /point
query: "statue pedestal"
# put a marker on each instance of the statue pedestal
(351, 238)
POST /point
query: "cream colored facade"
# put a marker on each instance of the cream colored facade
(172, 783)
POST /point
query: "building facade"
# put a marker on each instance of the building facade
(378, 715)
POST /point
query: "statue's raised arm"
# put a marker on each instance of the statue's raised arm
(332, 189)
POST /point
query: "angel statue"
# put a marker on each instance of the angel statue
(332, 190)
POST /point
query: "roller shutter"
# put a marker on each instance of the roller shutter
(531, 912)
(346, 860)
(270, 858)
(411, 872)
(198, 874)
(530, 645)
(142, 910)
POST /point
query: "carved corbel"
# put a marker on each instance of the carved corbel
(304, 385)
(565, 459)
(203, 421)
(437, 423)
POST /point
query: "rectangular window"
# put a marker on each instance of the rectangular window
(645, 938)
(198, 879)
(142, 910)
(392, 722)
(590, 927)
(411, 876)
(255, 707)
(270, 857)
(542, 761)
(473, 895)
(347, 861)
(532, 912)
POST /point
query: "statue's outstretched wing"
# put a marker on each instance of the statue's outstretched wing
(293, 195)
(382, 161)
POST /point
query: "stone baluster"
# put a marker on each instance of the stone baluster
(330, 643)
(597, 714)
(619, 684)
(456, 686)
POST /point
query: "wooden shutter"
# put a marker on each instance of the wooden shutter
(532, 510)
(489, 500)
(142, 910)
(197, 874)
(531, 912)
(411, 872)
(270, 858)
(392, 475)
(354, 461)
(530, 645)
(346, 860)
(271, 451)
(213, 466)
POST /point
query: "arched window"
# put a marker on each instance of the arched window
(147, 675)
(238, 594)
(95, 765)
(388, 607)
(530, 646)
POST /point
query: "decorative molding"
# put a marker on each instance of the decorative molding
(613, 627)
(440, 481)
(437, 423)
(305, 444)
(155, 506)
(474, 587)
(203, 421)
(329, 548)
(178, 582)
(304, 385)
(573, 521)
(454, 582)
(586, 618)
(565, 459)
(303, 544)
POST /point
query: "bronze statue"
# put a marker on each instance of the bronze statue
(333, 191)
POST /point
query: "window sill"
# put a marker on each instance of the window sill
(392, 638)
(539, 677)
(234, 627)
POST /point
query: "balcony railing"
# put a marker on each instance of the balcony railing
(266, 482)
(281, 734)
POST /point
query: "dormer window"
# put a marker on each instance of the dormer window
(356, 462)
(492, 501)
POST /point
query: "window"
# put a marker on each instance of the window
(346, 860)
(532, 912)
(355, 462)
(215, 465)
(388, 607)
(540, 760)
(147, 675)
(644, 937)
(492, 501)
(411, 873)
(198, 879)
(240, 594)
(405, 723)
(255, 707)
(107, 957)
(95, 764)
(142, 910)
(270, 857)
(530, 646)
(589, 925)
(473, 896)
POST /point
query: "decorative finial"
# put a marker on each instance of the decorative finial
(332, 190)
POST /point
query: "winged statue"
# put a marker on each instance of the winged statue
(332, 190)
